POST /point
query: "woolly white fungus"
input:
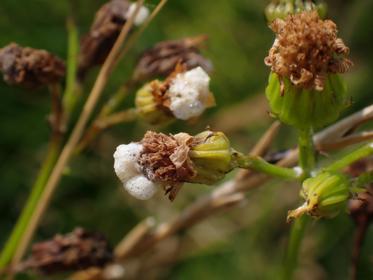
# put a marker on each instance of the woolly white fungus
(141, 16)
(189, 94)
(128, 171)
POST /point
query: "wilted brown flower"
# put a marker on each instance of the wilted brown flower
(163, 57)
(30, 68)
(306, 49)
(105, 29)
(165, 159)
(76, 250)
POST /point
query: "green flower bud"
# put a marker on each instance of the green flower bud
(281, 9)
(148, 108)
(325, 195)
(305, 108)
(211, 155)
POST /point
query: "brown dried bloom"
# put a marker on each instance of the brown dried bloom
(306, 50)
(161, 60)
(105, 29)
(76, 250)
(165, 159)
(30, 68)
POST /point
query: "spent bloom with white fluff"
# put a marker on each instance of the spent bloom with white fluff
(129, 171)
(168, 161)
(183, 95)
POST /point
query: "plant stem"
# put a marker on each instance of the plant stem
(32, 201)
(258, 164)
(307, 163)
(74, 138)
(353, 156)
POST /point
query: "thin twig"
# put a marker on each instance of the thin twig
(75, 136)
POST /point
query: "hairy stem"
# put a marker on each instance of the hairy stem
(307, 162)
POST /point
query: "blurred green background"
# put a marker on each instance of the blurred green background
(243, 243)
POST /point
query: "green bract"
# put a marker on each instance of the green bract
(211, 157)
(281, 9)
(325, 195)
(306, 108)
(147, 107)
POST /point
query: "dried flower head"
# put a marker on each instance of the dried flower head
(306, 50)
(168, 161)
(183, 95)
(76, 250)
(161, 60)
(105, 29)
(30, 68)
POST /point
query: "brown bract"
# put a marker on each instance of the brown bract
(165, 160)
(161, 60)
(30, 68)
(105, 29)
(306, 50)
(76, 250)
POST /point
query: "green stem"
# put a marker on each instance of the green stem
(353, 156)
(72, 89)
(307, 162)
(32, 201)
(260, 165)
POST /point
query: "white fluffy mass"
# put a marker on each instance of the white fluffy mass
(189, 93)
(141, 16)
(128, 171)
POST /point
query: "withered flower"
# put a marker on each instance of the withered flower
(168, 161)
(77, 250)
(160, 60)
(183, 95)
(30, 68)
(105, 29)
(305, 89)
(306, 50)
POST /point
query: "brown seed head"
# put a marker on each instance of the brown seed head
(76, 250)
(105, 29)
(306, 50)
(161, 60)
(165, 159)
(30, 68)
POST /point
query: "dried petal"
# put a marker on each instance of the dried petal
(307, 49)
(30, 68)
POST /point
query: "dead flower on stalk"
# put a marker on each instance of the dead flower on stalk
(160, 60)
(168, 161)
(183, 95)
(77, 250)
(105, 29)
(30, 68)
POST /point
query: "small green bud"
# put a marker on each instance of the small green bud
(305, 108)
(211, 156)
(325, 195)
(148, 108)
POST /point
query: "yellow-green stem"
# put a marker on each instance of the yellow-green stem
(307, 162)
